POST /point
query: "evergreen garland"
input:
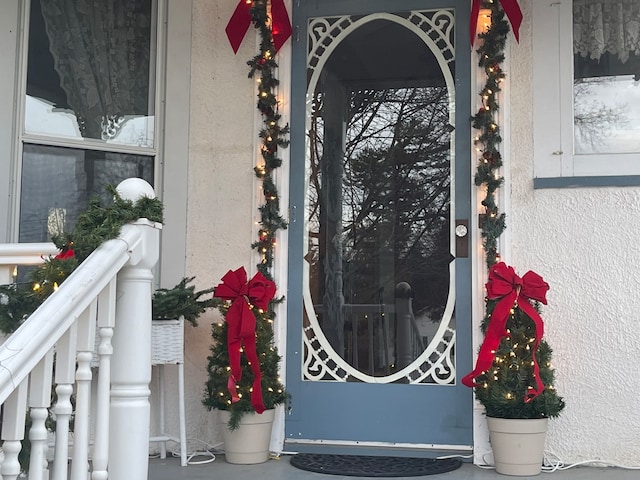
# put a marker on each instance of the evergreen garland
(97, 224)
(491, 57)
(273, 135)
(17, 302)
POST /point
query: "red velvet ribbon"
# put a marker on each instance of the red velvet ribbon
(505, 285)
(241, 20)
(511, 9)
(241, 322)
(64, 254)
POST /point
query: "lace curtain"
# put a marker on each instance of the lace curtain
(101, 50)
(606, 26)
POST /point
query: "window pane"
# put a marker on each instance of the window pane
(90, 70)
(379, 198)
(606, 76)
(57, 184)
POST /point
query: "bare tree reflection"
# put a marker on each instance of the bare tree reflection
(595, 120)
(395, 192)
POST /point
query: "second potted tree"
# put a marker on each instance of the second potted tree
(513, 377)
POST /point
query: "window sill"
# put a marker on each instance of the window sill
(592, 181)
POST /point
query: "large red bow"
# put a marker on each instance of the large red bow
(505, 285)
(241, 323)
(241, 20)
(511, 9)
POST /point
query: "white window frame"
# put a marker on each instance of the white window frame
(555, 164)
(171, 150)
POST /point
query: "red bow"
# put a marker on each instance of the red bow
(241, 20)
(64, 254)
(242, 326)
(504, 284)
(511, 9)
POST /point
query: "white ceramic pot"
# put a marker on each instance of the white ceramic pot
(517, 444)
(249, 443)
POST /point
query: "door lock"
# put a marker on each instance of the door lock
(462, 238)
(461, 231)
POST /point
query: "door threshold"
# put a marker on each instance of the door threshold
(350, 447)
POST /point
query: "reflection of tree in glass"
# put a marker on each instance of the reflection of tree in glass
(395, 196)
(595, 119)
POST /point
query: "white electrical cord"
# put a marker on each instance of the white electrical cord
(445, 457)
(208, 451)
(551, 463)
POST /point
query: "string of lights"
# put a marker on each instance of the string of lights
(488, 140)
(273, 135)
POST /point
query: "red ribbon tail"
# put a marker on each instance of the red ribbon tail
(495, 331)
(473, 22)
(238, 24)
(514, 14)
(234, 345)
(247, 329)
(280, 23)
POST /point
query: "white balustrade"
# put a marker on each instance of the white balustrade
(109, 293)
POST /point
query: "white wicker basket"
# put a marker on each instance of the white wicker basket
(167, 341)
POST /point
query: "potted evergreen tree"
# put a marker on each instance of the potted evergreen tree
(243, 381)
(513, 377)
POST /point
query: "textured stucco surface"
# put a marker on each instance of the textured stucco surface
(584, 242)
(222, 190)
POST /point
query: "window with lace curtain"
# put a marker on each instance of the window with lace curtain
(586, 92)
(606, 86)
(89, 111)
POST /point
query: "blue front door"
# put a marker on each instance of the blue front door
(379, 322)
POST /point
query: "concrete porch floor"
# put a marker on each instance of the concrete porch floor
(280, 469)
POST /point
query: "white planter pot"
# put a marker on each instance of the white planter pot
(517, 444)
(249, 443)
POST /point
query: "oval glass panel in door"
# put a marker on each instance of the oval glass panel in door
(379, 287)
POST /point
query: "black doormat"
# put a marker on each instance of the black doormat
(369, 466)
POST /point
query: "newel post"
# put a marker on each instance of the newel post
(131, 362)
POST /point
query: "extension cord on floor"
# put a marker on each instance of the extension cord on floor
(551, 463)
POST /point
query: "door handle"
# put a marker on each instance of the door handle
(462, 238)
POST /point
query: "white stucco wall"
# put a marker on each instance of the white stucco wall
(584, 242)
(222, 190)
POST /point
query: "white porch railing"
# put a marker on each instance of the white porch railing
(110, 292)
